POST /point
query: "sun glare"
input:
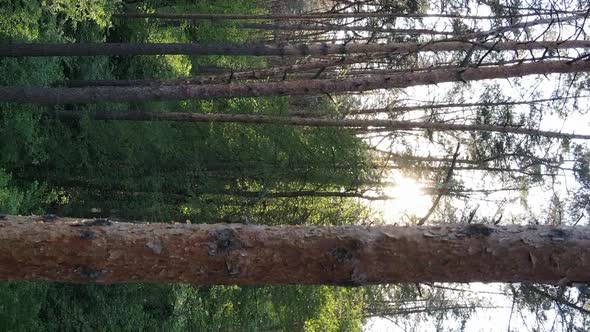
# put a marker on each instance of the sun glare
(409, 199)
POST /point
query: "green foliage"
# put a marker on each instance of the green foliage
(232, 308)
(163, 172)
(76, 11)
(20, 303)
(20, 20)
(36, 306)
(106, 308)
(21, 125)
(27, 199)
(53, 20)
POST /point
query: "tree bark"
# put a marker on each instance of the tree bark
(228, 75)
(314, 122)
(394, 109)
(300, 87)
(522, 25)
(99, 251)
(315, 16)
(93, 49)
(334, 27)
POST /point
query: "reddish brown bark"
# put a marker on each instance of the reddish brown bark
(98, 251)
(93, 49)
(300, 87)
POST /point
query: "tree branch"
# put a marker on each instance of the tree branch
(446, 186)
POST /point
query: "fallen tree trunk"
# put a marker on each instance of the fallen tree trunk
(100, 251)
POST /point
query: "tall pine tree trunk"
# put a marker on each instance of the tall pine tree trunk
(334, 27)
(300, 87)
(99, 251)
(315, 16)
(388, 125)
(92, 49)
(395, 109)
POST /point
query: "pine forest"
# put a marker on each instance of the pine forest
(294, 165)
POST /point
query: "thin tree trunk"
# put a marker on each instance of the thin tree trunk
(453, 289)
(397, 311)
(93, 49)
(300, 87)
(314, 122)
(229, 76)
(99, 251)
(111, 190)
(467, 168)
(480, 34)
(199, 80)
(556, 299)
(385, 166)
(536, 10)
(502, 157)
(334, 27)
(315, 16)
(523, 25)
(394, 109)
(297, 72)
(299, 193)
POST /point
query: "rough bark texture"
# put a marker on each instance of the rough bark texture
(391, 125)
(300, 87)
(92, 49)
(99, 251)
